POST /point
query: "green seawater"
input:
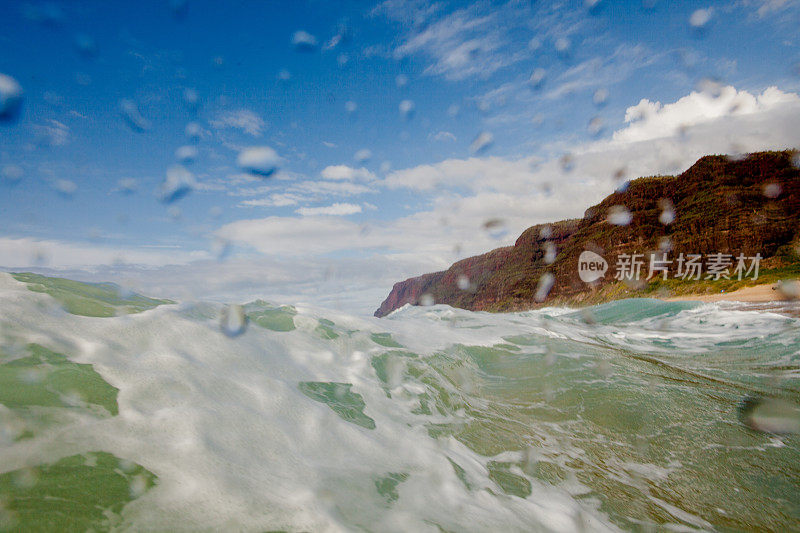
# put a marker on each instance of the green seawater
(620, 416)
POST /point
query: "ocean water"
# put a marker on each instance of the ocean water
(624, 416)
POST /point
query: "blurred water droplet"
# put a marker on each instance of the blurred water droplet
(134, 119)
(138, 485)
(350, 106)
(546, 232)
(619, 215)
(363, 155)
(233, 320)
(463, 282)
(259, 160)
(567, 162)
(215, 212)
(191, 99)
(284, 75)
(426, 300)
(26, 478)
(481, 143)
(85, 45)
(401, 80)
(549, 356)
(537, 78)
(406, 108)
(772, 190)
(550, 253)
(600, 97)
(495, 227)
(544, 286)
(769, 415)
(186, 154)
(603, 368)
(127, 185)
(710, 87)
(303, 41)
(193, 131)
(664, 244)
(789, 289)
(175, 213)
(453, 110)
(342, 59)
(178, 183)
(667, 215)
(10, 98)
(700, 17)
(220, 248)
(595, 125)
(12, 174)
(588, 316)
(562, 46)
(65, 187)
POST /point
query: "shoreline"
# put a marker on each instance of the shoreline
(763, 293)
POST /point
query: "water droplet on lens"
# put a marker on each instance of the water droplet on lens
(350, 106)
(303, 41)
(406, 109)
(193, 131)
(65, 187)
(495, 227)
(550, 253)
(463, 282)
(284, 75)
(426, 300)
(789, 289)
(12, 173)
(562, 46)
(133, 118)
(667, 215)
(710, 87)
(772, 190)
(191, 99)
(186, 154)
(600, 97)
(454, 109)
(595, 126)
(233, 320)
(260, 160)
(138, 486)
(537, 78)
(178, 183)
(85, 45)
(363, 155)
(700, 17)
(10, 98)
(543, 287)
(619, 215)
(770, 415)
(401, 80)
(567, 162)
(481, 143)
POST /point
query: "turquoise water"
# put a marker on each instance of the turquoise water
(621, 416)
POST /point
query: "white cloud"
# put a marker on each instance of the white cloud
(241, 119)
(343, 172)
(26, 252)
(651, 120)
(338, 209)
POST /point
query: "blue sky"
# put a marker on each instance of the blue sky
(413, 85)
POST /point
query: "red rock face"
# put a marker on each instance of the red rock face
(720, 205)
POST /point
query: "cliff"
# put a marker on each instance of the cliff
(720, 205)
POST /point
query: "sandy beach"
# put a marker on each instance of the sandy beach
(757, 294)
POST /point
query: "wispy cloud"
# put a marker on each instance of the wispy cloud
(330, 210)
